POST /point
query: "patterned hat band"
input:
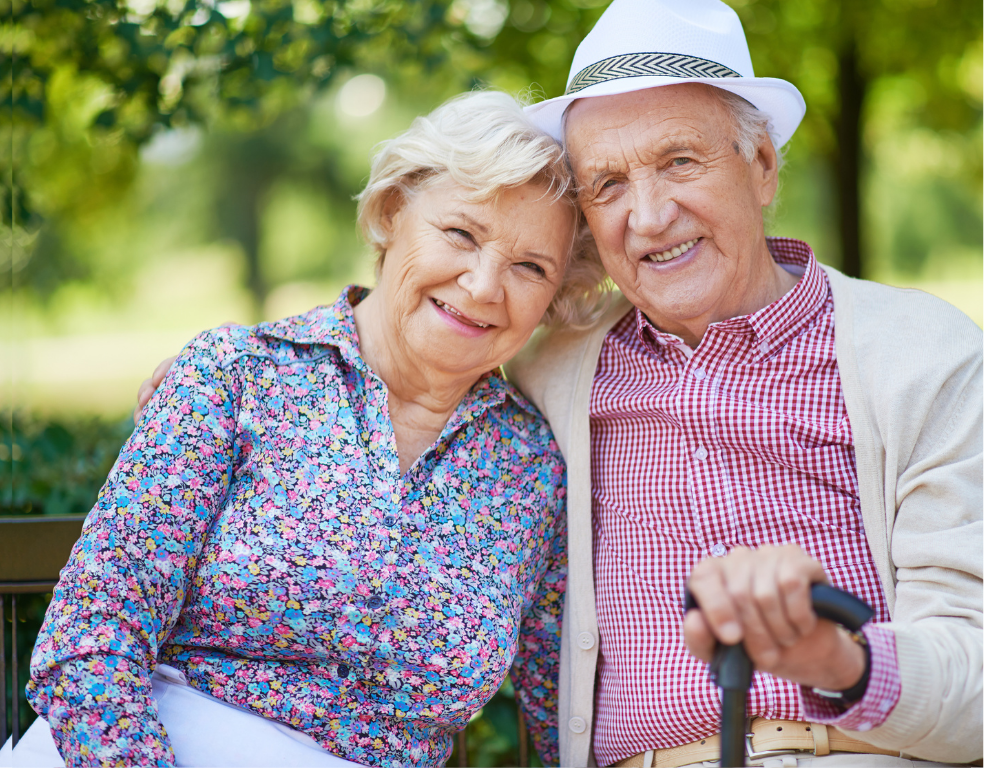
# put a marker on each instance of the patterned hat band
(647, 64)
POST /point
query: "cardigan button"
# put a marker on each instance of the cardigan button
(577, 724)
(585, 641)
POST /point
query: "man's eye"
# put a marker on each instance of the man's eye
(682, 161)
(461, 233)
(608, 184)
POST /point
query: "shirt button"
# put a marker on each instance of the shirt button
(375, 602)
(700, 454)
(764, 347)
(343, 670)
(719, 550)
(577, 724)
(586, 641)
(699, 374)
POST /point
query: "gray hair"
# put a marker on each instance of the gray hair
(483, 142)
(751, 127)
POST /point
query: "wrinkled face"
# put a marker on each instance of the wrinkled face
(675, 210)
(465, 283)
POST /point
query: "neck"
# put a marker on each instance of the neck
(410, 382)
(767, 285)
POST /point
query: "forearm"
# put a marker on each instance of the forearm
(938, 714)
(101, 712)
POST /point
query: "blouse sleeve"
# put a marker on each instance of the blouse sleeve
(536, 670)
(121, 592)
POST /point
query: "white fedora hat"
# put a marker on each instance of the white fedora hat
(640, 44)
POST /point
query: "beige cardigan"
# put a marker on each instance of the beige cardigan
(910, 366)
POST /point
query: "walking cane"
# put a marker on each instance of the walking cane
(731, 669)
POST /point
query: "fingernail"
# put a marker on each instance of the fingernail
(729, 633)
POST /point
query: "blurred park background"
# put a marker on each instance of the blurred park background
(170, 165)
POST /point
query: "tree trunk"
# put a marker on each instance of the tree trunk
(250, 239)
(849, 158)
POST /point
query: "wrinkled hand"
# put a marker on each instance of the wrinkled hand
(762, 597)
(149, 386)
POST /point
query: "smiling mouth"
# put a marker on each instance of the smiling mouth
(673, 252)
(458, 316)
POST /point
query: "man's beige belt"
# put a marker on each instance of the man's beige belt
(766, 738)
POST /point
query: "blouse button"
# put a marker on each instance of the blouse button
(586, 641)
(343, 670)
(719, 550)
(389, 520)
(375, 602)
(699, 374)
(577, 724)
(700, 454)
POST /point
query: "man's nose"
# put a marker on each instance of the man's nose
(483, 280)
(653, 210)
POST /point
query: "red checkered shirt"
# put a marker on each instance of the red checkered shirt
(743, 441)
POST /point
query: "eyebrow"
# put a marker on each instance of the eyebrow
(471, 221)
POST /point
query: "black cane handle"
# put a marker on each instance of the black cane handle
(840, 607)
(731, 668)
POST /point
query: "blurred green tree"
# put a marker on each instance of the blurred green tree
(839, 52)
(88, 82)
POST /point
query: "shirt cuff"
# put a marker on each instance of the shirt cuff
(884, 689)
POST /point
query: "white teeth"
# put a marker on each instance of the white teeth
(451, 310)
(673, 252)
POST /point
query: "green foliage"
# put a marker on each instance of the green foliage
(932, 44)
(30, 615)
(56, 467)
(52, 468)
(87, 82)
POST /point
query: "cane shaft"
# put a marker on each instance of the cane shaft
(733, 724)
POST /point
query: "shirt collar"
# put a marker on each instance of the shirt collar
(334, 326)
(773, 324)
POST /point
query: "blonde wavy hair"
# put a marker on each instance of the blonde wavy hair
(482, 141)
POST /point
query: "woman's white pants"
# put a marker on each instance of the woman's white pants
(203, 730)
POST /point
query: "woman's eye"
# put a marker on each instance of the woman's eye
(461, 233)
(678, 161)
(533, 266)
(609, 184)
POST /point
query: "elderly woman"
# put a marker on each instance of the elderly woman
(331, 537)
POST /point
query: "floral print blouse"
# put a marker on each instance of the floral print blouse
(256, 533)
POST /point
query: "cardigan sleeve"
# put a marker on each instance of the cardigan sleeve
(911, 369)
(121, 592)
(536, 669)
(936, 552)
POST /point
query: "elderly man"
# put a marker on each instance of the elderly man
(752, 422)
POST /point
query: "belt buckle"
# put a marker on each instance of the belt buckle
(751, 754)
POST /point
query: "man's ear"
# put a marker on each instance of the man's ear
(766, 171)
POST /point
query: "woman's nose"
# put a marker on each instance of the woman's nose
(483, 280)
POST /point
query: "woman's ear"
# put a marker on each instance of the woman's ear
(391, 207)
